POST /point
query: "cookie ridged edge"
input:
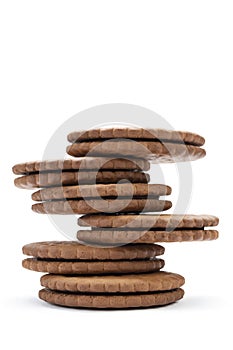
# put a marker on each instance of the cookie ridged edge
(83, 163)
(136, 133)
(133, 283)
(124, 237)
(93, 267)
(75, 250)
(148, 220)
(111, 301)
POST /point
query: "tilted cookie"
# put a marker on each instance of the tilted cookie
(136, 133)
(152, 150)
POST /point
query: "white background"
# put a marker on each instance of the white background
(174, 57)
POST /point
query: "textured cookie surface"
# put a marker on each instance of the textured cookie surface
(136, 133)
(106, 205)
(151, 150)
(75, 178)
(82, 163)
(93, 267)
(150, 282)
(73, 250)
(110, 190)
(149, 221)
(124, 237)
(111, 301)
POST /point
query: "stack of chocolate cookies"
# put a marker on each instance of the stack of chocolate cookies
(94, 277)
(114, 264)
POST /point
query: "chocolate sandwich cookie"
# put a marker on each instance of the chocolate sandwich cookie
(111, 237)
(87, 206)
(154, 144)
(149, 282)
(125, 291)
(147, 228)
(137, 190)
(92, 267)
(155, 151)
(67, 178)
(83, 164)
(148, 221)
(74, 258)
(72, 250)
(111, 301)
(137, 133)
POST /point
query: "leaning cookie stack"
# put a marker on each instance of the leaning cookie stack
(117, 264)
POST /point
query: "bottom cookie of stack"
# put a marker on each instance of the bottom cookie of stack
(113, 292)
(104, 301)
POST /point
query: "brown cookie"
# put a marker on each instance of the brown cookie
(135, 221)
(137, 190)
(149, 282)
(152, 150)
(72, 250)
(136, 133)
(111, 301)
(112, 237)
(96, 206)
(83, 164)
(93, 267)
(76, 178)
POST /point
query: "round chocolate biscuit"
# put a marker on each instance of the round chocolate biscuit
(110, 190)
(136, 133)
(72, 250)
(149, 282)
(75, 178)
(93, 267)
(82, 163)
(110, 301)
(111, 236)
(90, 206)
(139, 221)
(155, 151)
